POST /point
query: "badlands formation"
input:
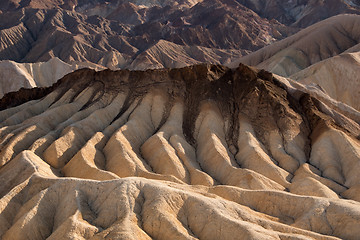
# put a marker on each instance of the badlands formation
(201, 152)
(117, 34)
(138, 34)
(324, 56)
(323, 40)
(68, 34)
(301, 13)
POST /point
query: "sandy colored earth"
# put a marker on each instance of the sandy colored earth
(339, 77)
(202, 152)
(14, 76)
(324, 56)
(320, 41)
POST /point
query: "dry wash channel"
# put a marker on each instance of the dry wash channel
(202, 152)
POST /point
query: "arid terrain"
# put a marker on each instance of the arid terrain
(179, 119)
(150, 34)
(117, 34)
(202, 152)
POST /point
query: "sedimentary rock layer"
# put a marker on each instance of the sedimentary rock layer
(202, 152)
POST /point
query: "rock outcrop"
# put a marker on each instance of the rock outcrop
(201, 152)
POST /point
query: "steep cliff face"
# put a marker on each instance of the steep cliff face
(201, 152)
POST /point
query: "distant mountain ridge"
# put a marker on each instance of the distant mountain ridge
(121, 34)
(14, 76)
(301, 13)
(28, 34)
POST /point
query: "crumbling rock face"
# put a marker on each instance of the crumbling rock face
(202, 152)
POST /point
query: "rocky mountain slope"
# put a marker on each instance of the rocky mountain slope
(116, 34)
(322, 41)
(104, 7)
(296, 13)
(148, 34)
(301, 13)
(202, 152)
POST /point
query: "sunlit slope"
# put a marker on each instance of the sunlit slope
(202, 152)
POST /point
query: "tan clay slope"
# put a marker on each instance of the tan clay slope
(338, 76)
(320, 41)
(14, 76)
(211, 152)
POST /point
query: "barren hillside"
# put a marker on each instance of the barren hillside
(301, 13)
(115, 34)
(339, 77)
(318, 42)
(202, 152)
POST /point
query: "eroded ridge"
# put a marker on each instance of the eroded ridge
(202, 152)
